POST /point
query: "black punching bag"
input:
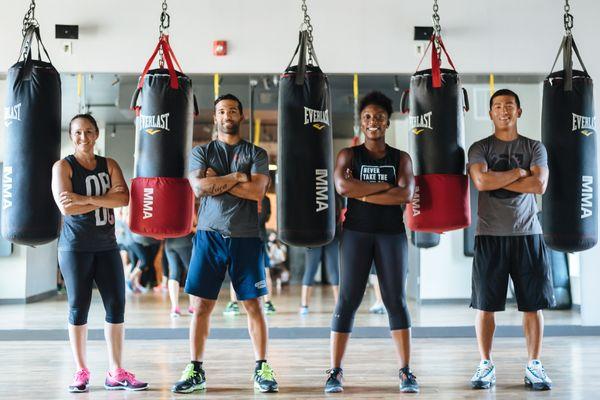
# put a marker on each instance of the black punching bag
(570, 206)
(305, 192)
(162, 201)
(32, 120)
(436, 105)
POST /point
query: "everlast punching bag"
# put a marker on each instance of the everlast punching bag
(32, 120)
(305, 192)
(162, 201)
(570, 205)
(436, 102)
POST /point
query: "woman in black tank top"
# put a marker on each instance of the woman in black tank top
(86, 189)
(377, 180)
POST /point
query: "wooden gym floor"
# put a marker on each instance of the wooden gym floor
(42, 368)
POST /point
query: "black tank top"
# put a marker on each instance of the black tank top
(369, 217)
(93, 231)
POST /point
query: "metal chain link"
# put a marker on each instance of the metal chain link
(29, 18)
(165, 23)
(437, 28)
(568, 18)
(309, 29)
(436, 19)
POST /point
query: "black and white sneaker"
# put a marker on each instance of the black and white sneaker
(334, 381)
(408, 382)
(264, 379)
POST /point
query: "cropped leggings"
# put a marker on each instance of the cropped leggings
(358, 251)
(314, 255)
(80, 269)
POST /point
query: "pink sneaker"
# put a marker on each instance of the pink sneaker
(175, 312)
(190, 310)
(81, 381)
(123, 380)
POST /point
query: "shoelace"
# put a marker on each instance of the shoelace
(188, 372)
(81, 375)
(410, 377)
(126, 376)
(334, 373)
(266, 372)
(480, 370)
(540, 372)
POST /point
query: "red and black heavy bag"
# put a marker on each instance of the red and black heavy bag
(162, 201)
(32, 117)
(305, 192)
(436, 103)
(570, 206)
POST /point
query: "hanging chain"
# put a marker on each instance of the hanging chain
(309, 29)
(437, 28)
(568, 18)
(165, 23)
(29, 18)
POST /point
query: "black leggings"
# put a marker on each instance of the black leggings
(358, 251)
(80, 270)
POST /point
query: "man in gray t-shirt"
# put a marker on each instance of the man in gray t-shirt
(509, 170)
(230, 176)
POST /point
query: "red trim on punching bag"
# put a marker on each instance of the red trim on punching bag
(436, 62)
(169, 55)
(436, 75)
(161, 207)
(440, 203)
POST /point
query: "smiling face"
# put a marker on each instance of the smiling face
(374, 121)
(83, 134)
(505, 112)
(228, 117)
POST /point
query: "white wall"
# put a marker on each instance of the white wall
(350, 35)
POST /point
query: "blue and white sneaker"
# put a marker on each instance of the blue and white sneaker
(535, 376)
(485, 376)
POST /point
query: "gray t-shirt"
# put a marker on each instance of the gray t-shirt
(503, 212)
(227, 214)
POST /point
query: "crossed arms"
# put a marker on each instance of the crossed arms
(518, 180)
(208, 183)
(381, 193)
(70, 203)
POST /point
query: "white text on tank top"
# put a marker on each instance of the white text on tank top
(98, 185)
(377, 173)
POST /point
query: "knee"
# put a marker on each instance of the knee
(308, 280)
(115, 311)
(486, 314)
(174, 274)
(78, 316)
(343, 316)
(253, 307)
(202, 308)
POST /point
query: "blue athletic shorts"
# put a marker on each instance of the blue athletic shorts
(213, 255)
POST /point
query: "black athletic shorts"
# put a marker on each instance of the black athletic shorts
(525, 259)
